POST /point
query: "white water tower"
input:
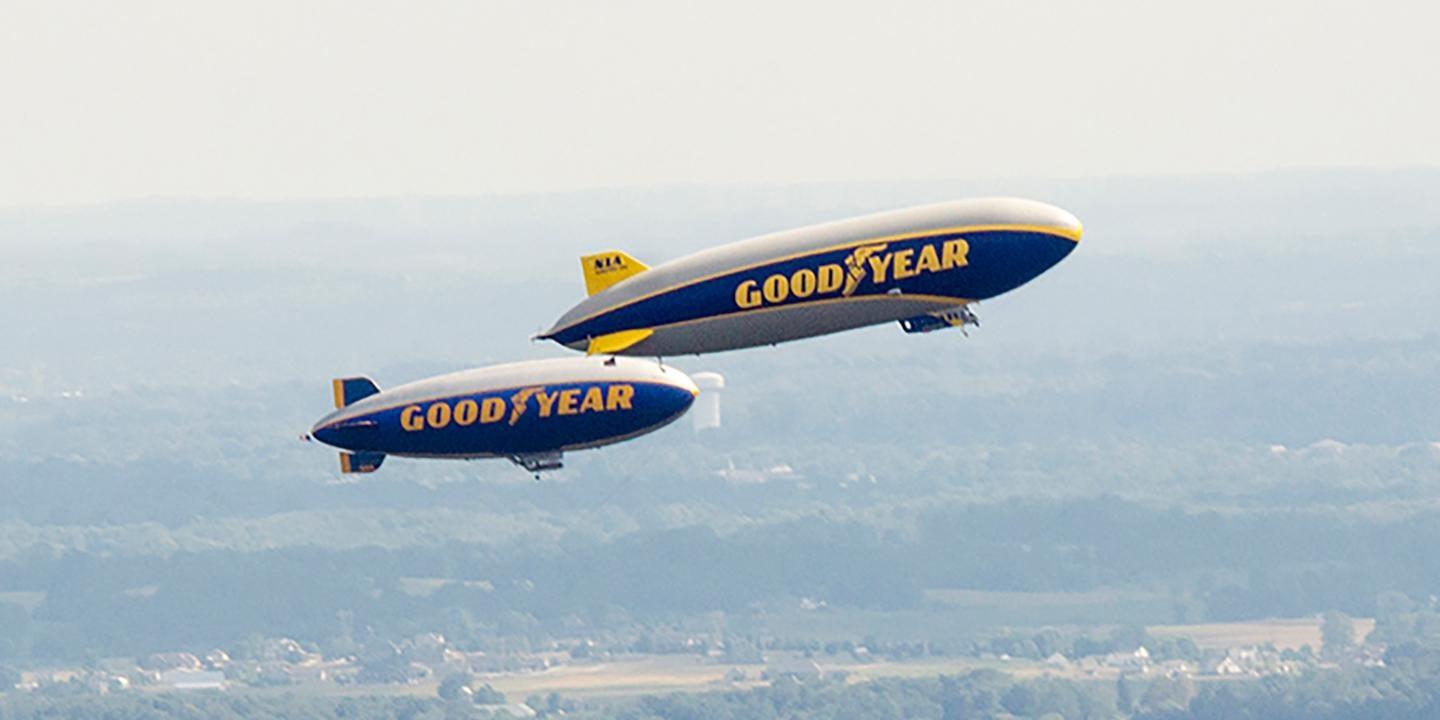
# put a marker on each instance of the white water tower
(706, 411)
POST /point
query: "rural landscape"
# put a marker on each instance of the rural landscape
(1193, 476)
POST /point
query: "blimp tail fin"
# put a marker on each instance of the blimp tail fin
(617, 342)
(360, 462)
(352, 389)
(607, 268)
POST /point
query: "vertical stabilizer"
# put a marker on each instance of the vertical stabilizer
(352, 390)
(360, 462)
(607, 268)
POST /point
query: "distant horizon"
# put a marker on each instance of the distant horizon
(163, 200)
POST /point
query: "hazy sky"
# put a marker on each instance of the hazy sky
(105, 101)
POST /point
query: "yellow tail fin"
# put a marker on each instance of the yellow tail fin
(617, 342)
(607, 268)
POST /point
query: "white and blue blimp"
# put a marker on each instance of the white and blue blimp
(528, 412)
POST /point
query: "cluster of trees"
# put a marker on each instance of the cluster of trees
(218, 706)
(981, 694)
(1408, 688)
(464, 686)
(343, 600)
(134, 468)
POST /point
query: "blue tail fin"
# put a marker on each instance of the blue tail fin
(360, 462)
(351, 390)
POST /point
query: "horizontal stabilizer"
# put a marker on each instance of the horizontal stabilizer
(607, 268)
(352, 390)
(617, 342)
(361, 462)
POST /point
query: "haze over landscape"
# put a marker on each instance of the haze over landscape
(1190, 383)
(1191, 472)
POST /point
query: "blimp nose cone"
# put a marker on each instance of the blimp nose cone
(326, 434)
(1032, 237)
(1034, 214)
(334, 432)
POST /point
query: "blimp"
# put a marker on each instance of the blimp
(528, 412)
(922, 267)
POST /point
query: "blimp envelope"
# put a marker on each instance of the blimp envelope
(530, 412)
(919, 266)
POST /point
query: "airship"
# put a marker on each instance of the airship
(923, 267)
(529, 412)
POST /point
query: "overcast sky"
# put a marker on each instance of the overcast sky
(109, 101)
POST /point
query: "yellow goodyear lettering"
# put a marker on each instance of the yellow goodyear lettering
(747, 295)
(957, 254)
(870, 262)
(929, 260)
(802, 283)
(594, 400)
(569, 400)
(620, 397)
(777, 288)
(467, 411)
(438, 416)
(412, 419)
(878, 266)
(547, 402)
(900, 269)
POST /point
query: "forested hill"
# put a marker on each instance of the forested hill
(1197, 566)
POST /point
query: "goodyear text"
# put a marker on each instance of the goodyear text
(465, 412)
(876, 262)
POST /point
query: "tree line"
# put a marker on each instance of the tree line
(1217, 567)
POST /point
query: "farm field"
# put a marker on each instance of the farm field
(1284, 634)
(654, 674)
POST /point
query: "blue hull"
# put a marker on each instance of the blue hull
(513, 421)
(951, 268)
